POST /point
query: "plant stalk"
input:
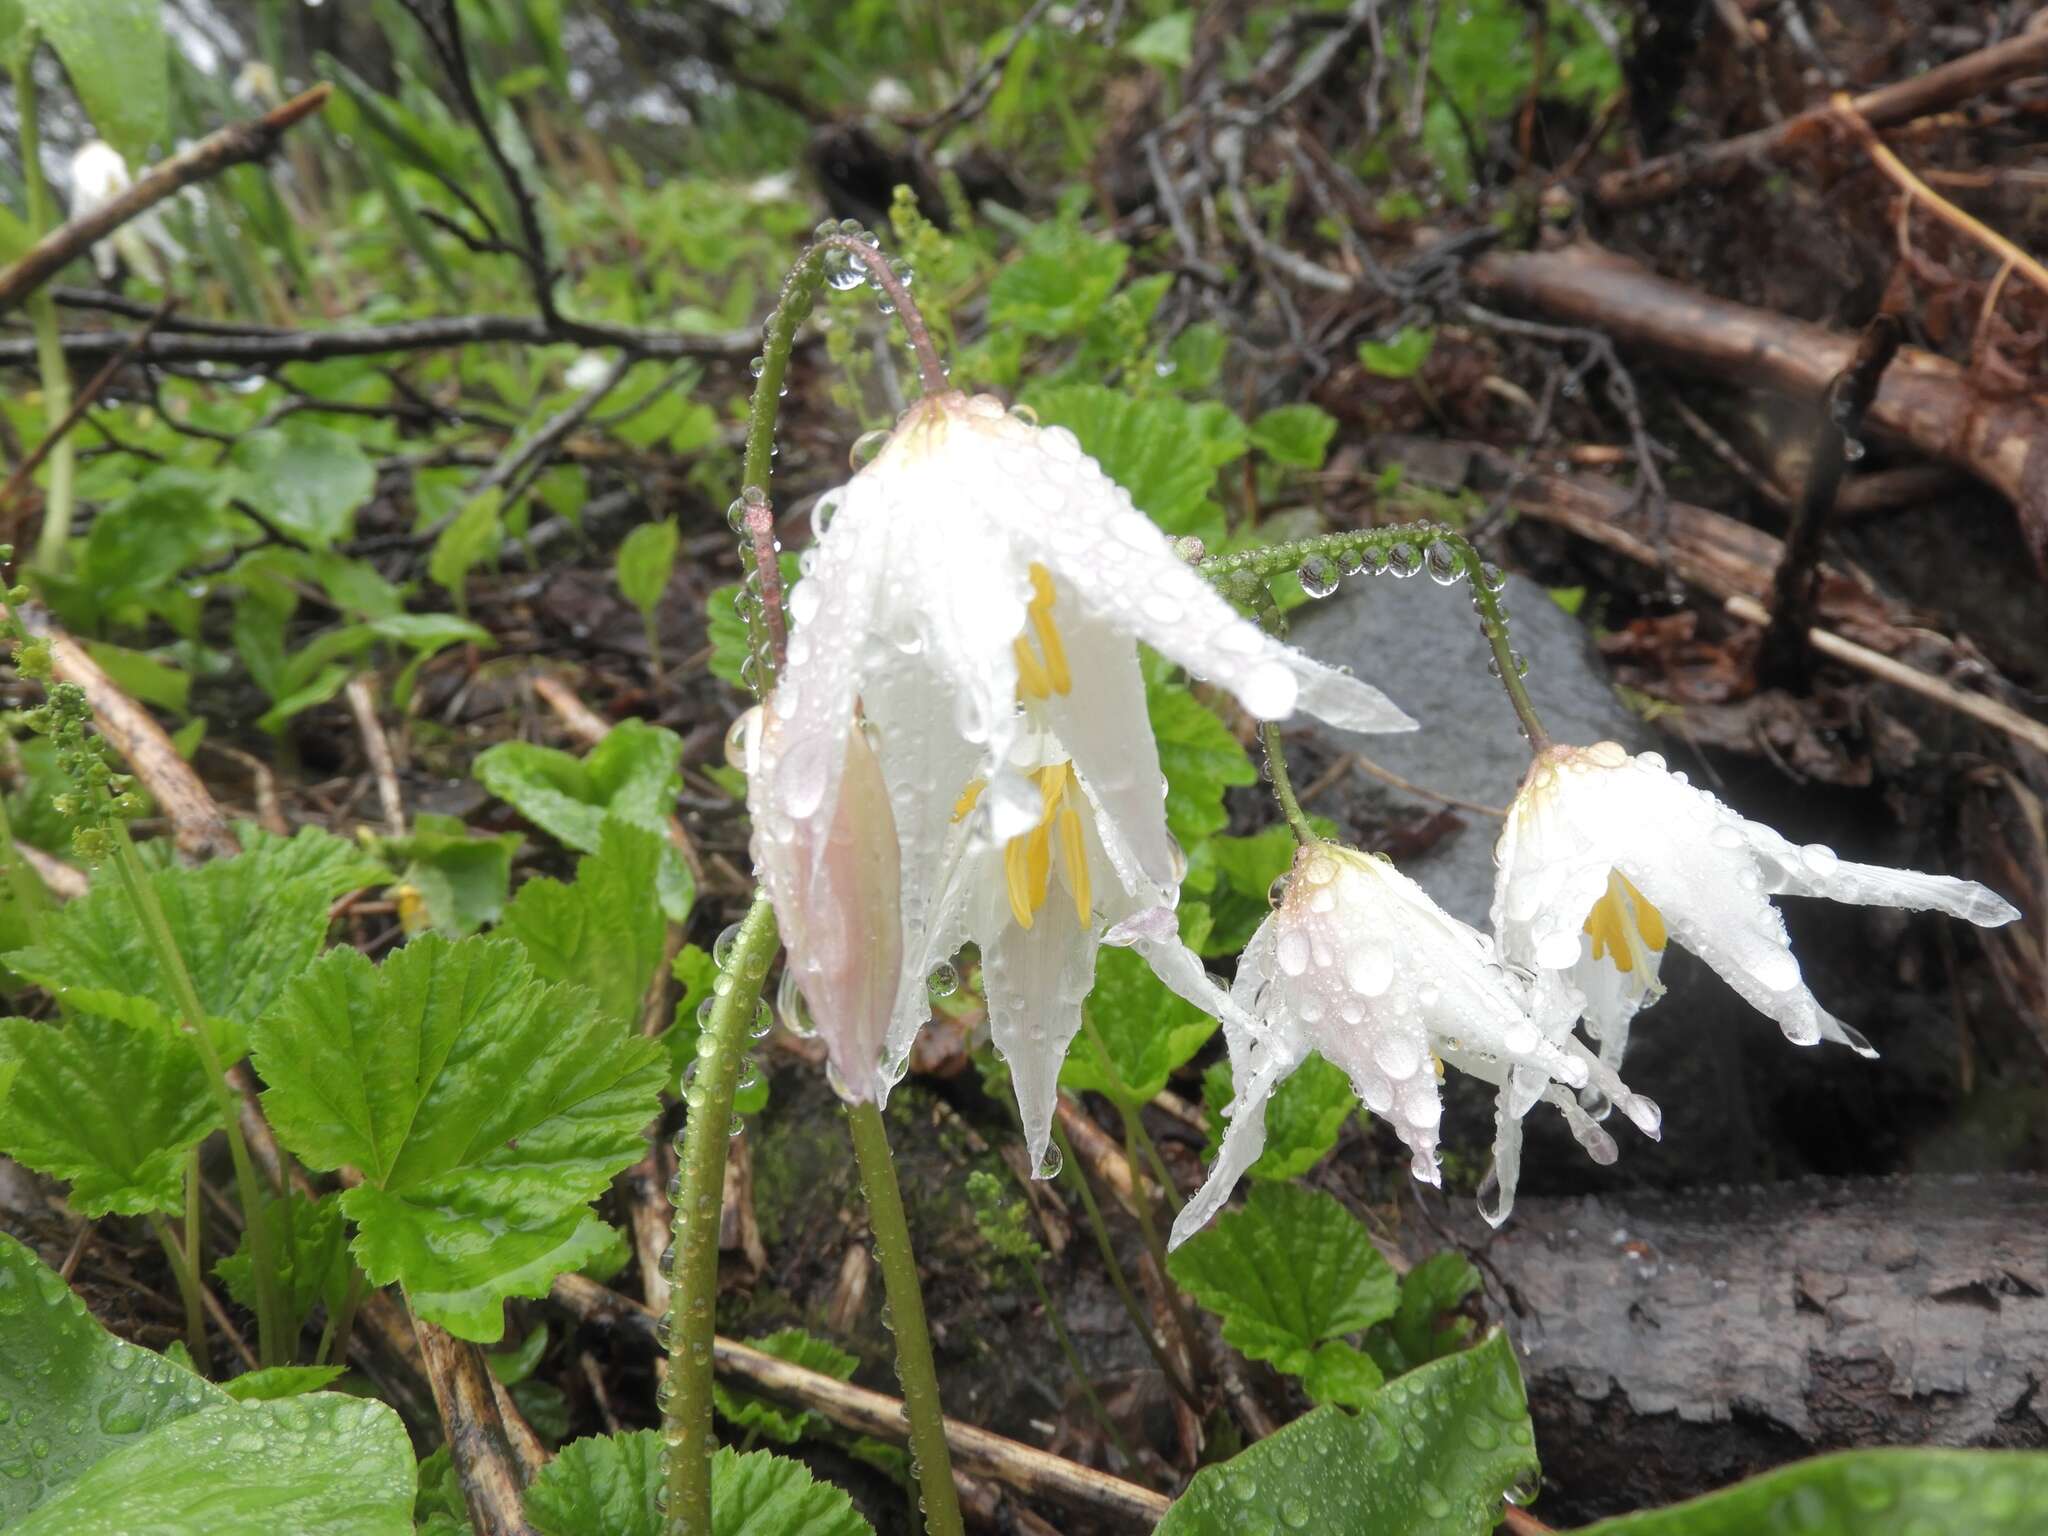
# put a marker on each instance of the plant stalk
(930, 1462)
(149, 911)
(188, 1289)
(706, 1134)
(1283, 785)
(1074, 1363)
(42, 310)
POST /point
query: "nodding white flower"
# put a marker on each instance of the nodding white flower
(98, 176)
(974, 603)
(1607, 857)
(1358, 965)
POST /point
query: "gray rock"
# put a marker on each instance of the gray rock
(1421, 643)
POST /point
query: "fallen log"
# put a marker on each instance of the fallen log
(1676, 1340)
(1924, 400)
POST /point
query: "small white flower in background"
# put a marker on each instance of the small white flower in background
(1607, 857)
(98, 176)
(974, 603)
(1358, 965)
(889, 97)
(588, 371)
(778, 187)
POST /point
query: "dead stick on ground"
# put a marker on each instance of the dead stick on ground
(232, 145)
(477, 1443)
(196, 822)
(362, 701)
(64, 881)
(1974, 74)
(1924, 400)
(978, 1452)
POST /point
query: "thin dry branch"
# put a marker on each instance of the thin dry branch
(485, 1463)
(977, 1452)
(232, 145)
(1974, 74)
(362, 702)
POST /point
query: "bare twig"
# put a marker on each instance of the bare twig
(976, 1451)
(64, 881)
(484, 1461)
(232, 145)
(1972, 75)
(362, 702)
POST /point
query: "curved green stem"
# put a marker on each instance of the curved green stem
(1283, 785)
(42, 310)
(149, 911)
(707, 1132)
(930, 1462)
(188, 1289)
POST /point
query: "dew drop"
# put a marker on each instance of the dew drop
(1049, 1165)
(1445, 569)
(865, 447)
(1318, 576)
(1403, 561)
(944, 980)
(792, 1009)
(727, 941)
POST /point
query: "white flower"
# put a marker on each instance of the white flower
(98, 176)
(588, 371)
(1606, 857)
(890, 97)
(1358, 965)
(974, 604)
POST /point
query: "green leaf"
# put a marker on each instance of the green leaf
(1145, 1030)
(630, 775)
(142, 541)
(647, 558)
(1401, 355)
(1233, 875)
(472, 538)
(727, 631)
(310, 1247)
(607, 1483)
(1430, 1455)
(604, 932)
(141, 676)
(1303, 1118)
(115, 53)
(242, 934)
(1297, 436)
(103, 1436)
(757, 1414)
(483, 1108)
(512, 1366)
(1865, 1493)
(1195, 359)
(1168, 43)
(1197, 754)
(451, 882)
(1290, 1270)
(333, 864)
(111, 1108)
(306, 479)
(281, 1381)
(1430, 1291)
(1057, 284)
(1164, 451)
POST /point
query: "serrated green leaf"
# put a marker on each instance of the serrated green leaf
(630, 775)
(1195, 359)
(647, 558)
(1197, 754)
(750, 1411)
(483, 1108)
(1167, 42)
(1288, 1271)
(141, 541)
(1137, 1031)
(1297, 436)
(306, 479)
(1431, 1455)
(309, 1245)
(1341, 1373)
(1865, 1493)
(103, 1436)
(333, 864)
(1233, 875)
(242, 935)
(1429, 1292)
(1057, 284)
(281, 1381)
(606, 931)
(607, 1483)
(1303, 1118)
(1164, 451)
(116, 55)
(457, 881)
(110, 1107)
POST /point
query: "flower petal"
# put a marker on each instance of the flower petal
(1816, 870)
(1035, 979)
(1243, 1140)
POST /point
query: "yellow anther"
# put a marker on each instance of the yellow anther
(1017, 876)
(969, 798)
(1075, 851)
(1624, 927)
(1031, 677)
(1027, 857)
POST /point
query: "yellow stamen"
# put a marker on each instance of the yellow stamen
(969, 798)
(1017, 876)
(1075, 852)
(1624, 927)
(1040, 860)
(1031, 676)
